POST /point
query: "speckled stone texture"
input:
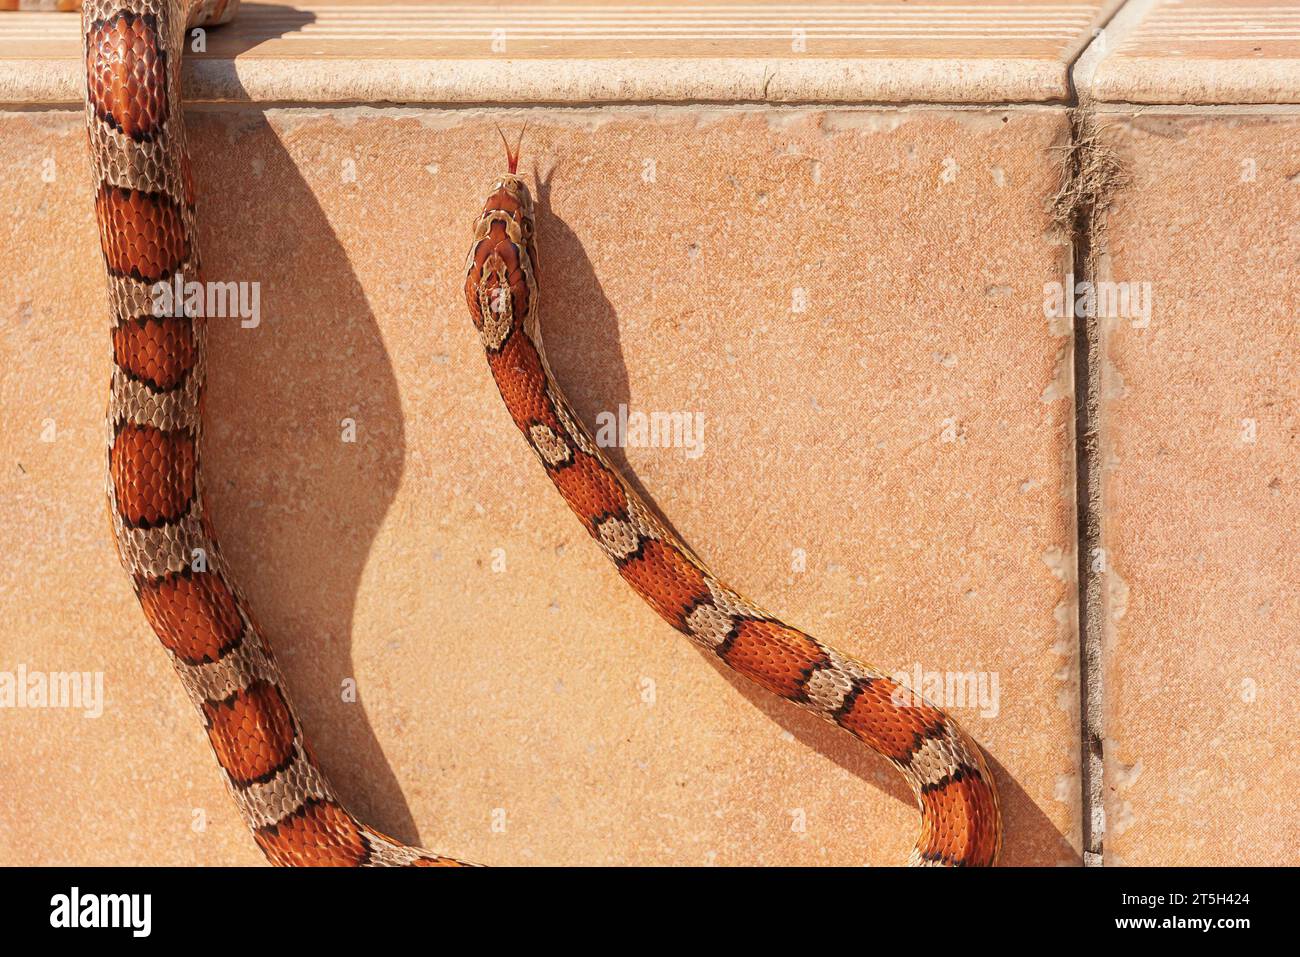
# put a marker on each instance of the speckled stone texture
(1228, 52)
(1201, 436)
(850, 299)
(532, 51)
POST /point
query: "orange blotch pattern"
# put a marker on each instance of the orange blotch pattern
(251, 732)
(126, 70)
(157, 351)
(142, 234)
(589, 489)
(521, 380)
(891, 718)
(666, 580)
(776, 656)
(318, 834)
(195, 615)
(957, 822)
(152, 473)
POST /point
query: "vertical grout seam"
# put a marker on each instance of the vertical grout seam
(1091, 173)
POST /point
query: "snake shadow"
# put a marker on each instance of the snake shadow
(295, 506)
(587, 358)
(253, 24)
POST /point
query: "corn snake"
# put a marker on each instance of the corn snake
(145, 207)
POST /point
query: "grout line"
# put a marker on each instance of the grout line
(1130, 107)
(574, 105)
(1088, 360)
(1087, 365)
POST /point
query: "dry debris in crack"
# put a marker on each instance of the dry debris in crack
(1090, 174)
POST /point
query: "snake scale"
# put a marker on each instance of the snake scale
(145, 208)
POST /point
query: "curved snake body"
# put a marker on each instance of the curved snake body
(145, 208)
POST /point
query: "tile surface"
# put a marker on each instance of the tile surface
(1200, 444)
(851, 300)
(1203, 52)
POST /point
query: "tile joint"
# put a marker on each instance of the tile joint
(1090, 176)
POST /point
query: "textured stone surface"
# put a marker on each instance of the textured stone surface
(889, 467)
(1201, 436)
(1200, 52)
(319, 51)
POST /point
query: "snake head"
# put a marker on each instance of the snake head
(509, 191)
(501, 278)
(509, 194)
(508, 197)
(510, 202)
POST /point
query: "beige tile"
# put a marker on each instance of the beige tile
(337, 51)
(921, 242)
(1201, 436)
(1201, 52)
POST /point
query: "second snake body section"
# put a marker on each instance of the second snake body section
(960, 819)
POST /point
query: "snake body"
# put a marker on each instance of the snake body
(144, 204)
(145, 209)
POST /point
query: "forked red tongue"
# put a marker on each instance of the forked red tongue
(512, 156)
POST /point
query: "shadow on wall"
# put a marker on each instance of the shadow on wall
(297, 508)
(583, 345)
